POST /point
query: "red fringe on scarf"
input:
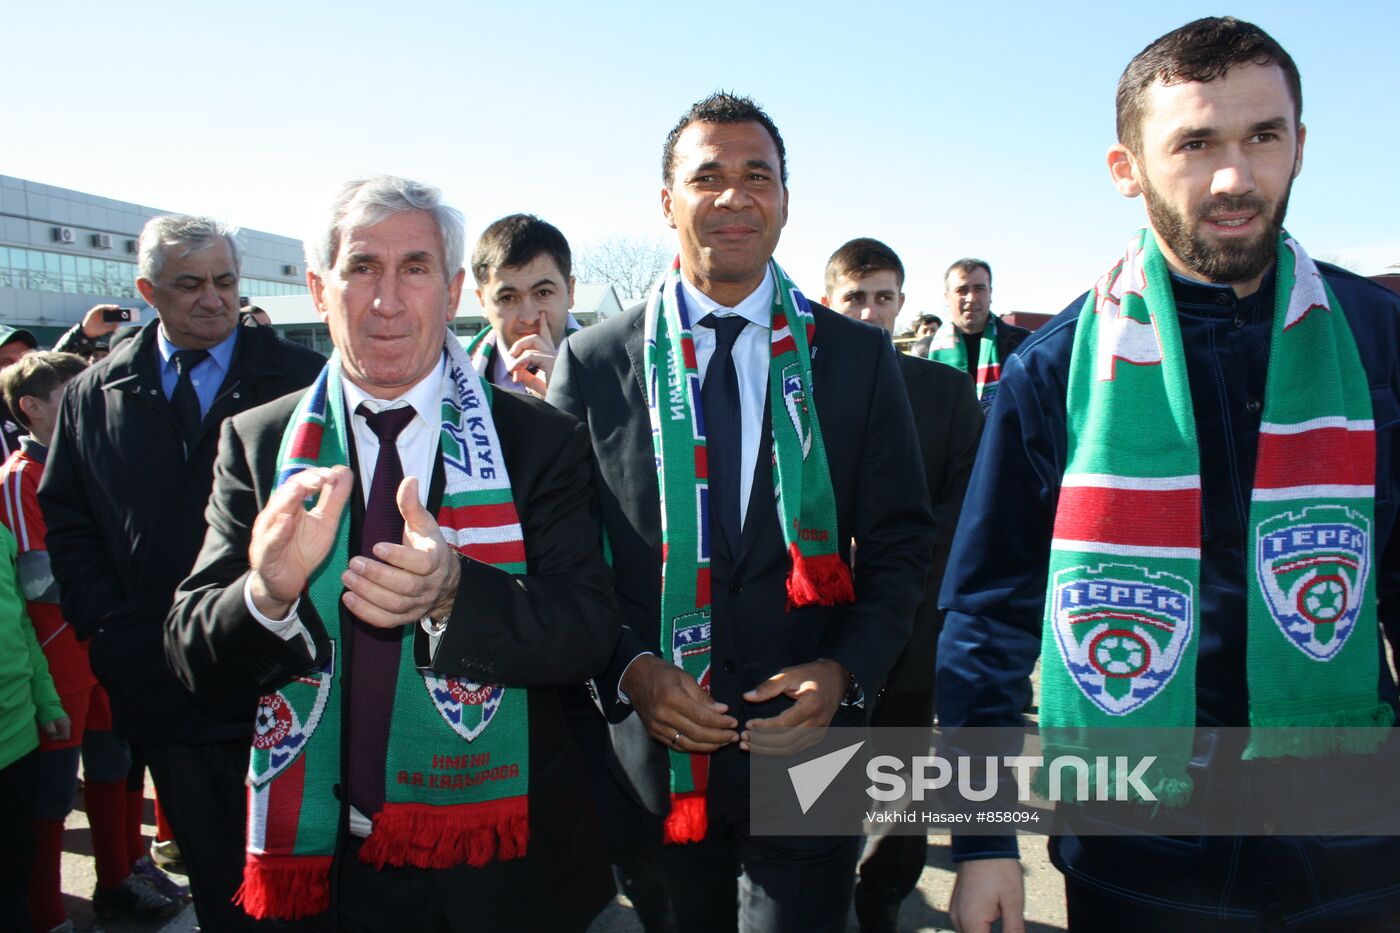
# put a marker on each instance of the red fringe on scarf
(426, 836)
(687, 821)
(821, 580)
(287, 887)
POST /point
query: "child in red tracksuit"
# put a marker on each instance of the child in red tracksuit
(33, 388)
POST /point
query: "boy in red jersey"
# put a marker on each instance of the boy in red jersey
(33, 387)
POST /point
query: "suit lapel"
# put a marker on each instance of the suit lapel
(635, 344)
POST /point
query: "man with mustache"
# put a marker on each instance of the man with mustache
(1216, 398)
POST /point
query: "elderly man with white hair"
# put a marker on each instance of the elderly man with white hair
(406, 564)
(124, 490)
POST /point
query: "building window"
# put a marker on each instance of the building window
(44, 271)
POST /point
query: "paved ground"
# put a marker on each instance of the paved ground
(926, 909)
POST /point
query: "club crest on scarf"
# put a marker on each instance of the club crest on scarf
(285, 721)
(795, 400)
(1121, 630)
(690, 646)
(1312, 568)
(465, 705)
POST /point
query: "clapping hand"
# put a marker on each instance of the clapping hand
(405, 582)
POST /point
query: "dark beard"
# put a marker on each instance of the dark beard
(1225, 262)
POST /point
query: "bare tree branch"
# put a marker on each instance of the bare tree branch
(629, 264)
(1337, 259)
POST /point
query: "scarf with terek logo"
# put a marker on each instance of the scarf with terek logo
(801, 479)
(455, 790)
(1122, 610)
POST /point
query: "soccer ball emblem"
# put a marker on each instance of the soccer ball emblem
(272, 723)
(1323, 601)
(1119, 654)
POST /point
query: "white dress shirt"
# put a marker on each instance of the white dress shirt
(751, 354)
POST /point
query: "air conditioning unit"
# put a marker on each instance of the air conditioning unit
(289, 269)
(64, 235)
(102, 241)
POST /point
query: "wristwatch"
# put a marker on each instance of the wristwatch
(435, 627)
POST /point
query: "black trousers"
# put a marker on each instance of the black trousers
(18, 786)
(893, 863)
(560, 887)
(202, 793)
(635, 862)
(736, 881)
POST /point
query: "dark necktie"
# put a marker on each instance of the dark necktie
(184, 399)
(724, 427)
(374, 652)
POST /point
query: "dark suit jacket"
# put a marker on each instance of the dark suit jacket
(948, 421)
(125, 512)
(881, 502)
(554, 626)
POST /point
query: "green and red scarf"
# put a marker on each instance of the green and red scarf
(1122, 613)
(950, 346)
(801, 478)
(482, 348)
(458, 758)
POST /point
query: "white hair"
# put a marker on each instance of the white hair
(365, 202)
(193, 234)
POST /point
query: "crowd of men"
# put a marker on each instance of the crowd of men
(425, 636)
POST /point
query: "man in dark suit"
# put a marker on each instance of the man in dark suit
(383, 652)
(975, 340)
(124, 491)
(865, 281)
(762, 665)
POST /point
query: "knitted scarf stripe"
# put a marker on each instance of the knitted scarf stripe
(950, 347)
(458, 766)
(482, 349)
(801, 477)
(1122, 615)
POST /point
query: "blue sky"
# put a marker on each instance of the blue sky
(944, 129)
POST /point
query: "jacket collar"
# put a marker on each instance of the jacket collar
(134, 362)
